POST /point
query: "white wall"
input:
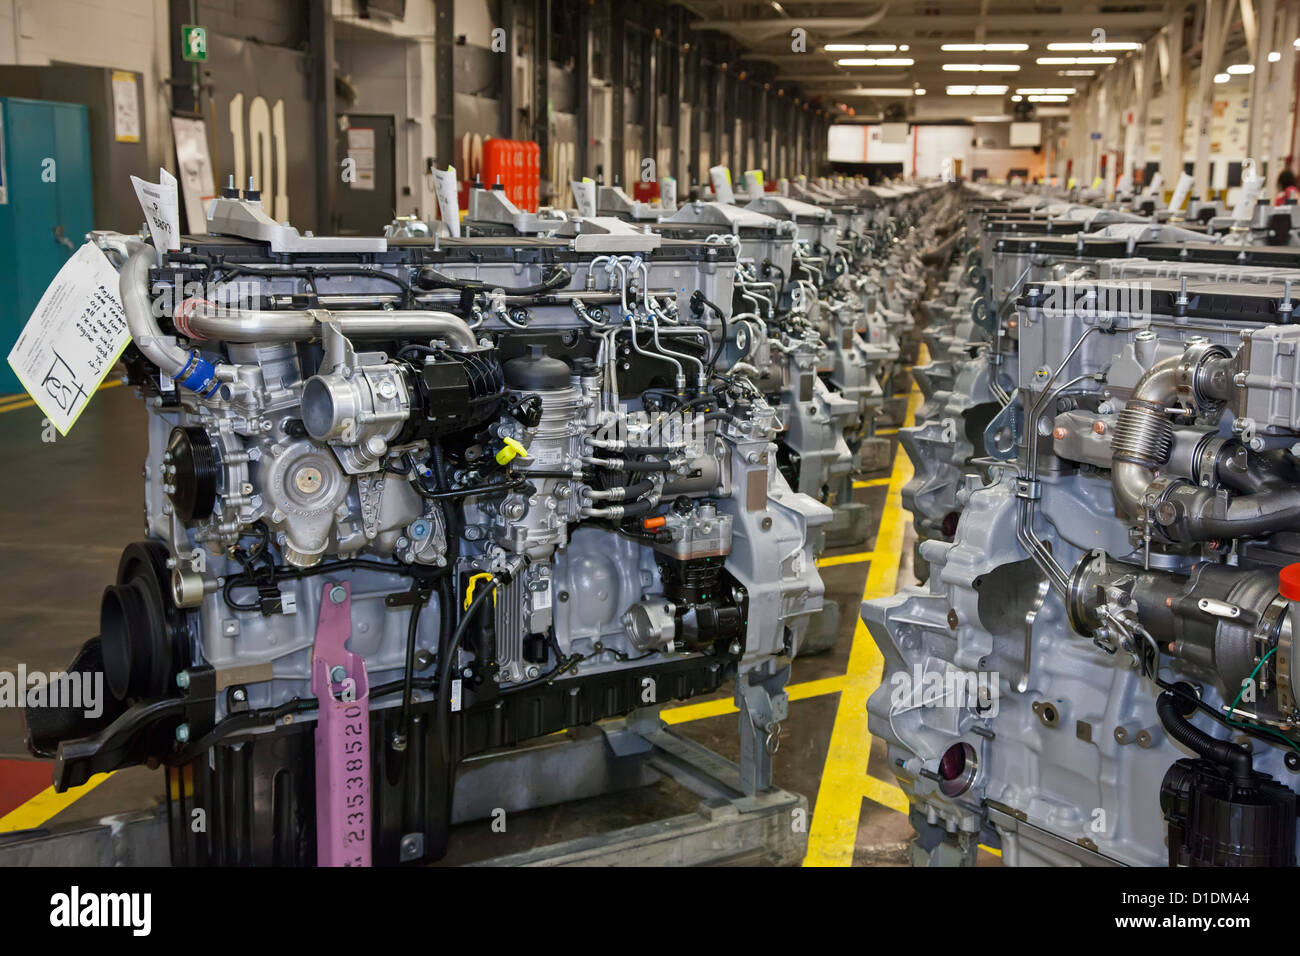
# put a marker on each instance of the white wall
(927, 148)
(122, 34)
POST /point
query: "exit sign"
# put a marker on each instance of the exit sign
(194, 43)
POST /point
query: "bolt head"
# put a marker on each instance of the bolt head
(183, 733)
(183, 680)
(338, 594)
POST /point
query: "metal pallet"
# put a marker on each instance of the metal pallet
(729, 827)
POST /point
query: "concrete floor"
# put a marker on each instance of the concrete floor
(68, 507)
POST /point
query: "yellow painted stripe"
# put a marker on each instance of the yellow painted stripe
(718, 708)
(834, 829)
(887, 431)
(991, 849)
(47, 804)
(13, 403)
(871, 483)
(856, 558)
(887, 794)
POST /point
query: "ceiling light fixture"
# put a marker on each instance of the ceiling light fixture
(1093, 47)
(967, 90)
(981, 67)
(1241, 69)
(1047, 90)
(1221, 77)
(1074, 60)
(984, 47)
(873, 61)
(1048, 98)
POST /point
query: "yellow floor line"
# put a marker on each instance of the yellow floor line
(844, 782)
(856, 558)
(46, 805)
(887, 794)
(887, 431)
(871, 483)
(718, 708)
(13, 403)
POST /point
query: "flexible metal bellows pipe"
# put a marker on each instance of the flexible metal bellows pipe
(1143, 436)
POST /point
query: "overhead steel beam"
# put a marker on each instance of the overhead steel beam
(505, 21)
(320, 23)
(1171, 130)
(649, 99)
(1212, 40)
(542, 91)
(676, 92)
(582, 78)
(1001, 24)
(617, 47)
(444, 82)
(697, 117)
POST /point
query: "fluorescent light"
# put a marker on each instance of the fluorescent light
(1074, 60)
(1093, 47)
(1048, 98)
(1000, 118)
(967, 90)
(1274, 56)
(1241, 69)
(1048, 90)
(879, 91)
(1221, 77)
(981, 67)
(863, 47)
(984, 47)
(920, 91)
(1017, 98)
(1076, 72)
(872, 61)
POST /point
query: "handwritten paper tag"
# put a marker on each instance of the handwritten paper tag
(445, 188)
(720, 178)
(584, 196)
(161, 210)
(74, 337)
(668, 192)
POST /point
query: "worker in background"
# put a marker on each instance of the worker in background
(1287, 191)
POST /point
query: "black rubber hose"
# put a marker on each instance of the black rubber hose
(489, 489)
(409, 674)
(446, 654)
(429, 278)
(636, 467)
(1225, 753)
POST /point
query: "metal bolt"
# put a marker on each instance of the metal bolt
(338, 673)
(183, 733)
(338, 594)
(183, 680)
(239, 695)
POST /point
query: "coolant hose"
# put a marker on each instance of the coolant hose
(1225, 753)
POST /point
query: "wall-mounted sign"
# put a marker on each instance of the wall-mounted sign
(194, 43)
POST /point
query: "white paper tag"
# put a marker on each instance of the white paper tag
(444, 186)
(720, 178)
(455, 694)
(668, 192)
(1180, 191)
(584, 196)
(161, 207)
(754, 183)
(73, 338)
(1250, 187)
